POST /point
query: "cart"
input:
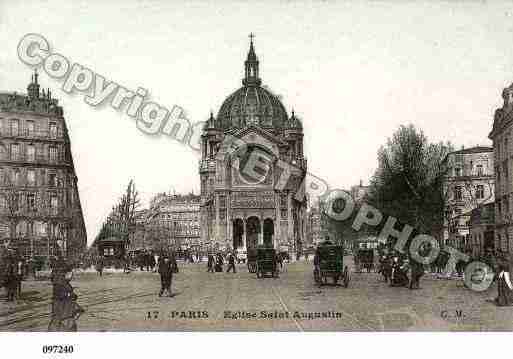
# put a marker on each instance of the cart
(329, 262)
(266, 262)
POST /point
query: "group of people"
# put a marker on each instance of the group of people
(215, 262)
(400, 271)
(145, 261)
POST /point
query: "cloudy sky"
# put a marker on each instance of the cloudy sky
(353, 72)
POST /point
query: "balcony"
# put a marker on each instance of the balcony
(38, 158)
(35, 213)
(35, 135)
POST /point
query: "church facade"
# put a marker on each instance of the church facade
(252, 170)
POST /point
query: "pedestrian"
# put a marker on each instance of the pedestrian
(152, 261)
(210, 263)
(231, 263)
(20, 272)
(384, 267)
(399, 277)
(11, 277)
(140, 261)
(99, 266)
(65, 309)
(126, 265)
(504, 285)
(219, 263)
(356, 260)
(147, 261)
(166, 275)
(417, 271)
(279, 258)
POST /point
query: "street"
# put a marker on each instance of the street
(239, 302)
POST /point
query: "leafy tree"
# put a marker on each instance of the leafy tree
(408, 183)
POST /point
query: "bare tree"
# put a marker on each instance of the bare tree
(11, 210)
(121, 220)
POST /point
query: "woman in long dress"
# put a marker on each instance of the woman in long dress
(65, 309)
(504, 286)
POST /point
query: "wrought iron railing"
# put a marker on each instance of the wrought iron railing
(29, 134)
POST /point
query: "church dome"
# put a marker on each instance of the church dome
(253, 104)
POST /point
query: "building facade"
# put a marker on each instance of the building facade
(173, 220)
(315, 232)
(503, 155)
(469, 184)
(40, 210)
(482, 229)
(252, 170)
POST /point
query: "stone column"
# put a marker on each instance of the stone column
(277, 222)
(229, 220)
(290, 227)
(244, 245)
(216, 230)
(261, 234)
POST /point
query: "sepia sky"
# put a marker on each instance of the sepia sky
(353, 71)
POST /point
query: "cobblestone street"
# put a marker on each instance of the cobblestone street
(129, 302)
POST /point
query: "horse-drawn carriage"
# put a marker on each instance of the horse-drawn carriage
(329, 262)
(365, 259)
(266, 262)
(364, 254)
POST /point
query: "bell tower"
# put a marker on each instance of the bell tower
(251, 66)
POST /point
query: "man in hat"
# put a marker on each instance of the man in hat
(11, 276)
(210, 263)
(417, 271)
(99, 266)
(166, 275)
(231, 262)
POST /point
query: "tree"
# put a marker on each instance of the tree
(121, 219)
(10, 210)
(408, 183)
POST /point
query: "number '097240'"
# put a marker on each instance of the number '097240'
(57, 349)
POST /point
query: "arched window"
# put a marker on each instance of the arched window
(31, 152)
(3, 204)
(3, 152)
(15, 151)
(21, 228)
(16, 176)
(14, 127)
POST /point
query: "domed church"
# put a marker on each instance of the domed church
(252, 170)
